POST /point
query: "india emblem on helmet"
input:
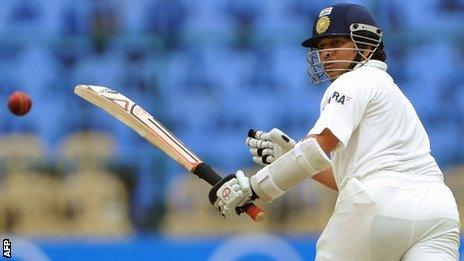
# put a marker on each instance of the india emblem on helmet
(322, 24)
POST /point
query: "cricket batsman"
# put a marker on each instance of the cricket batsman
(368, 143)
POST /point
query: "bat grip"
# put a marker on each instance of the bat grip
(205, 172)
(252, 133)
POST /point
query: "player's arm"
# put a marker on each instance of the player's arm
(303, 161)
(326, 139)
(266, 147)
(308, 158)
(326, 178)
(328, 143)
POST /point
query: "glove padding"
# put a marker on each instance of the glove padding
(266, 147)
(231, 193)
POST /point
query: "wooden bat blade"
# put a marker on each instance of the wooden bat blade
(134, 116)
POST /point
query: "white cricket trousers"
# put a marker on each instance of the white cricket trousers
(390, 216)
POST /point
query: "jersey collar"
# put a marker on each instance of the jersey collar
(373, 63)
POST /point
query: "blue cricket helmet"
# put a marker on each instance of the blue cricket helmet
(336, 20)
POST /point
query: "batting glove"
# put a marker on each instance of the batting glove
(231, 193)
(266, 147)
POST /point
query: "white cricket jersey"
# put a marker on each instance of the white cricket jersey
(378, 128)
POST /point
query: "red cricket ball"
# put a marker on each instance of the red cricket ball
(19, 103)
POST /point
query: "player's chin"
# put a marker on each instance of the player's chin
(333, 74)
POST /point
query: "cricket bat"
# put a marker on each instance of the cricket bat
(134, 116)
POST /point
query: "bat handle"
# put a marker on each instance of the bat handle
(252, 133)
(205, 172)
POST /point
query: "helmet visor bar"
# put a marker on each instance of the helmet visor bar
(365, 38)
(319, 71)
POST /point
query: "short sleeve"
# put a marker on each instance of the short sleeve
(346, 102)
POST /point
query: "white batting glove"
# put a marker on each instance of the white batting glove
(266, 147)
(231, 193)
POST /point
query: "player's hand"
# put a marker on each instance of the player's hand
(266, 147)
(231, 193)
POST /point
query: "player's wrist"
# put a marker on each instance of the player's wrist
(264, 186)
